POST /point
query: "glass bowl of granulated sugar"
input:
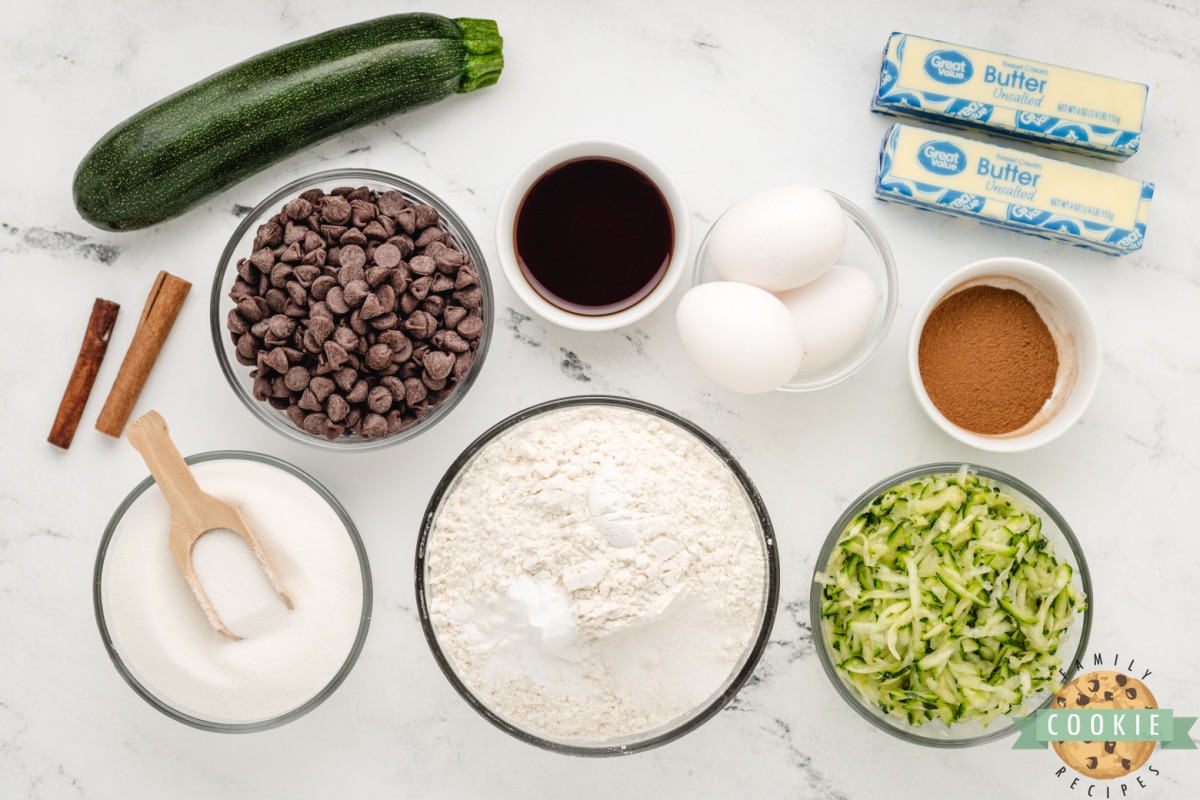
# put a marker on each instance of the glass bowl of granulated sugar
(286, 661)
(596, 576)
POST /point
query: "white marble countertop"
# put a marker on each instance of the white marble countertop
(730, 97)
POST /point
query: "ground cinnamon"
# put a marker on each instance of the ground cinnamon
(987, 359)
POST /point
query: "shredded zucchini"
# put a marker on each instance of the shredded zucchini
(943, 600)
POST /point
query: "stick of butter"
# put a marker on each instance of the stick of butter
(1022, 191)
(1055, 106)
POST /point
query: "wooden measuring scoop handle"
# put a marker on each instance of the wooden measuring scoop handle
(149, 436)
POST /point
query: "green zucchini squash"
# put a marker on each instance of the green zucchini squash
(186, 148)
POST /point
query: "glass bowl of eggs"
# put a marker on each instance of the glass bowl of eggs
(794, 288)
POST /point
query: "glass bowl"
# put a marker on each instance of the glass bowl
(868, 250)
(148, 671)
(1072, 646)
(439, 547)
(240, 246)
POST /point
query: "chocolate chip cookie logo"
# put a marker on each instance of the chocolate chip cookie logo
(1104, 760)
(1105, 725)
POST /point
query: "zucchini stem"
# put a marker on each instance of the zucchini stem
(485, 59)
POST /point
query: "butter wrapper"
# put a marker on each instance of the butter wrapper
(1022, 191)
(1030, 100)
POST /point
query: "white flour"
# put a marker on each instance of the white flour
(597, 572)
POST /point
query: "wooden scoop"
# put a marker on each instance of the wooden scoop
(194, 512)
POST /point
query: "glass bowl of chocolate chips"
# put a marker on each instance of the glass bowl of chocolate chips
(351, 310)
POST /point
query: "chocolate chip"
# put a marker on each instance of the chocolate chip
(450, 341)
(335, 210)
(292, 254)
(419, 288)
(471, 327)
(438, 364)
(345, 378)
(320, 327)
(336, 407)
(414, 391)
(406, 220)
(322, 387)
(296, 379)
(296, 415)
(379, 357)
(282, 326)
(353, 236)
(422, 265)
(374, 426)
(462, 364)
(387, 255)
(316, 423)
(452, 315)
(385, 322)
(428, 236)
(276, 359)
(465, 277)
(269, 234)
(336, 300)
(391, 203)
(420, 324)
(379, 399)
(335, 354)
(355, 292)
(321, 286)
(263, 258)
(427, 216)
(377, 276)
(234, 322)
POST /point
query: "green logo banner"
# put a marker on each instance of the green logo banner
(1106, 725)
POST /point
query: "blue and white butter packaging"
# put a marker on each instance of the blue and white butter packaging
(1022, 191)
(1055, 106)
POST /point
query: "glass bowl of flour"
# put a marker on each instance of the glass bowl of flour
(596, 576)
(286, 662)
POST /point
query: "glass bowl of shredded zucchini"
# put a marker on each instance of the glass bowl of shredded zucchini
(947, 599)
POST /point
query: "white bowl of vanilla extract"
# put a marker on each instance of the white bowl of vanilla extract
(593, 234)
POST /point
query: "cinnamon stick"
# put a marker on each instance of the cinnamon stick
(83, 376)
(162, 307)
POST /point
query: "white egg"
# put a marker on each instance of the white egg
(741, 337)
(778, 238)
(833, 313)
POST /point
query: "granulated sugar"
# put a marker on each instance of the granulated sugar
(285, 657)
(596, 572)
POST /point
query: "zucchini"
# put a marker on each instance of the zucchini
(186, 148)
(959, 610)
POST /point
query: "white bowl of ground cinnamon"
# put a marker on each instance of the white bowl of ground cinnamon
(1004, 355)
